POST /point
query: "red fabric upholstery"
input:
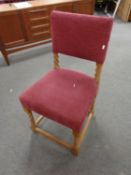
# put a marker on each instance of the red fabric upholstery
(79, 35)
(64, 96)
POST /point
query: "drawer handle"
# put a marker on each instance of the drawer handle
(39, 18)
(40, 26)
(38, 10)
(40, 33)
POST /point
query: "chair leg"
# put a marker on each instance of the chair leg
(79, 136)
(76, 145)
(92, 108)
(32, 121)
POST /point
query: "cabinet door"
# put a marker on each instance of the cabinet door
(11, 29)
(84, 7)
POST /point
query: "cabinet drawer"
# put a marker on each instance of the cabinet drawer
(37, 23)
(40, 28)
(39, 20)
(41, 35)
(37, 13)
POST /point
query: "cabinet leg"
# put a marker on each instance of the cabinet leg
(5, 55)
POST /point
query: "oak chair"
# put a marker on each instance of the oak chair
(64, 95)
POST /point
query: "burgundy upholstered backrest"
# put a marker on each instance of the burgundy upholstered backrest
(79, 35)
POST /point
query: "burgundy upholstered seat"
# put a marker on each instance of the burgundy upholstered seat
(62, 95)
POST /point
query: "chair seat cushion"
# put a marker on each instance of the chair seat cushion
(62, 95)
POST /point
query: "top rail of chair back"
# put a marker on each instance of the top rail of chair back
(79, 35)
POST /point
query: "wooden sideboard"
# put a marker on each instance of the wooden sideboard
(24, 27)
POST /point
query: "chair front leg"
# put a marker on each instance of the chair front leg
(76, 145)
(79, 136)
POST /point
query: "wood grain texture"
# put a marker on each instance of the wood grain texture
(124, 10)
(32, 24)
(78, 136)
(56, 61)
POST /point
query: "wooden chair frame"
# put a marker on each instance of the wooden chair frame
(78, 136)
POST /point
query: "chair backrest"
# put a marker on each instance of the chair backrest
(80, 35)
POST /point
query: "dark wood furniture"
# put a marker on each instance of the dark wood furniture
(25, 27)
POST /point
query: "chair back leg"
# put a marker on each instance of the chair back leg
(56, 61)
(32, 121)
